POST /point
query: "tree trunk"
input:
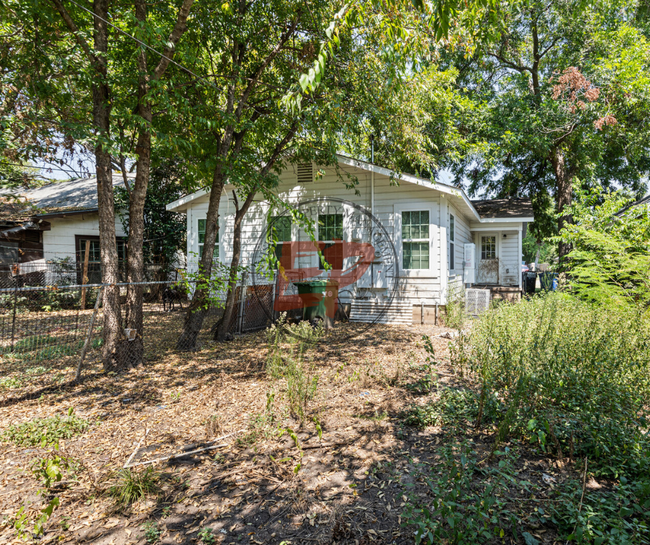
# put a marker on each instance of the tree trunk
(197, 310)
(135, 255)
(224, 323)
(563, 195)
(114, 339)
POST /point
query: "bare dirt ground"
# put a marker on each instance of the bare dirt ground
(279, 483)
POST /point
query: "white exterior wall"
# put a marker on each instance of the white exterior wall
(462, 235)
(59, 241)
(508, 252)
(420, 286)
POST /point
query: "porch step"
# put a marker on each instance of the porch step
(399, 312)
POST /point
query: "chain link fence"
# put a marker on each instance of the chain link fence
(53, 326)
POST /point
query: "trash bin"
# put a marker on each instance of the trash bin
(548, 280)
(319, 298)
(530, 280)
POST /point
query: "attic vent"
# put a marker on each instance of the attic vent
(477, 301)
(305, 173)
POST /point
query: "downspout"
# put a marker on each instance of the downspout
(372, 176)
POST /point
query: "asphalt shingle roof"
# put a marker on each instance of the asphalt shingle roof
(504, 208)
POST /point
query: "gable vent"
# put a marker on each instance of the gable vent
(305, 173)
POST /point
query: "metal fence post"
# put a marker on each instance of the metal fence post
(90, 334)
(13, 320)
(240, 324)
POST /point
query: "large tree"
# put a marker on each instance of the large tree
(284, 82)
(91, 77)
(560, 97)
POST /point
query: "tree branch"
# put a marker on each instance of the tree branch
(95, 61)
(179, 29)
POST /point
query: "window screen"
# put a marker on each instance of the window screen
(415, 239)
(202, 241)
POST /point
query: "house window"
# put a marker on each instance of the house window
(452, 243)
(415, 239)
(94, 258)
(279, 233)
(215, 255)
(330, 231)
(489, 247)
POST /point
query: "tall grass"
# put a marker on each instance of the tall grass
(571, 377)
(288, 345)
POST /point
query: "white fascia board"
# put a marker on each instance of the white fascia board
(507, 220)
(180, 204)
(443, 188)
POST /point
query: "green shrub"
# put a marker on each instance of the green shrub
(132, 485)
(573, 378)
(45, 431)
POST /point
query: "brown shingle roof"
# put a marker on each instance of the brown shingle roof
(504, 208)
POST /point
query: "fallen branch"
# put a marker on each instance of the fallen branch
(183, 454)
(137, 448)
(326, 445)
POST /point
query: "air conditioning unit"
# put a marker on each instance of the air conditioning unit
(477, 301)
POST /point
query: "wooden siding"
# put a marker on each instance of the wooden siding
(59, 241)
(422, 286)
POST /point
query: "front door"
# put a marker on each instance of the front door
(488, 260)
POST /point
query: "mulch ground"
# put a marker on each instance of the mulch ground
(347, 484)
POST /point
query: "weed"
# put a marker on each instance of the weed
(455, 409)
(51, 469)
(132, 486)
(11, 382)
(261, 426)
(573, 378)
(151, 532)
(22, 523)
(375, 416)
(45, 431)
(616, 516)
(213, 426)
(455, 314)
(286, 359)
(207, 536)
(459, 511)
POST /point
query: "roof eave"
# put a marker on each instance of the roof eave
(507, 220)
(443, 188)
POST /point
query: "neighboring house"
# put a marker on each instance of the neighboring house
(429, 223)
(44, 232)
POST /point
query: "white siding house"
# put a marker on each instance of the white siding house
(430, 264)
(53, 226)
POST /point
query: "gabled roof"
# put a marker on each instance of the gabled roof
(58, 198)
(515, 208)
(77, 195)
(525, 215)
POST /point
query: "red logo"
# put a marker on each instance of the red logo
(300, 264)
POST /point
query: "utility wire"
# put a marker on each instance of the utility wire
(67, 171)
(144, 44)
